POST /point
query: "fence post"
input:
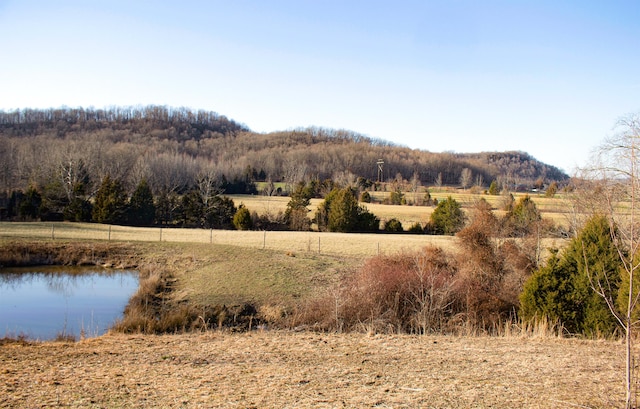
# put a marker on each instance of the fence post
(53, 236)
(211, 236)
(160, 233)
(318, 244)
(378, 248)
(109, 232)
(264, 240)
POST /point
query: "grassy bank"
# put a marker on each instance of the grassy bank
(188, 286)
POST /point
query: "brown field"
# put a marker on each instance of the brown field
(311, 370)
(293, 242)
(279, 369)
(554, 209)
(296, 242)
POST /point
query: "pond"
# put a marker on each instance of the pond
(46, 302)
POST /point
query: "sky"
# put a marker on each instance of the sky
(547, 77)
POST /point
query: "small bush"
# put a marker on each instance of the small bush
(242, 218)
(393, 226)
(416, 228)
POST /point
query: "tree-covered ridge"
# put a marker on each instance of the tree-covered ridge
(171, 147)
(181, 123)
(515, 165)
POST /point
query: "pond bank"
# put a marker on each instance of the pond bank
(154, 308)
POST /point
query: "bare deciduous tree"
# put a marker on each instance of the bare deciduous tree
(616, 174)
(438, 180)
(466, 178)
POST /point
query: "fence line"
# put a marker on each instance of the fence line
(350, 244)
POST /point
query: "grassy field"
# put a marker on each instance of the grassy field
(279, 369)
(358, 245)
(311, 370)
(554, 209)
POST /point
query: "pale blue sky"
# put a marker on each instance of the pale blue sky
(546, 77)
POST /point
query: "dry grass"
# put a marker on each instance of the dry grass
(359, 245)
(220, 274)
(311, 370)
(551, 208)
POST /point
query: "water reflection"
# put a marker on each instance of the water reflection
(51, 301)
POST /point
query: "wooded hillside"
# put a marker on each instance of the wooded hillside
(173, 147)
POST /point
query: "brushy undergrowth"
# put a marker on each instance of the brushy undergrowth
(469, 290)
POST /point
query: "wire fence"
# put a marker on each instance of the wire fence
(349, 244)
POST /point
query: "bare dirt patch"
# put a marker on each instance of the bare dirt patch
(305, 370)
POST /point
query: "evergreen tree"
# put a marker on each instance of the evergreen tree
(30, 204)
(521, 217)
(340, 212)
(493, 188)
(562, 290)
(296, 213)
(78, 210)
(242, 218)
(448, 217)
(343, 212)
(142, 210)
(191, 211)
(219, 214)
(110, 203)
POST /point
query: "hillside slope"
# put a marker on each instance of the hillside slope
(173, 147)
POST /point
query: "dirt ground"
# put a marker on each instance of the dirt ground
(310, 370)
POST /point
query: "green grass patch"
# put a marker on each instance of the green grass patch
(221, 274)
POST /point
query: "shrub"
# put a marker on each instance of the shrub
(393, 226)
(242, 218)
(490, 274)
(416, 228)
(409, 293)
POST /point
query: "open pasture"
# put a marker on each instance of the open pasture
(554, 209)
(292, 242)
(312, 370)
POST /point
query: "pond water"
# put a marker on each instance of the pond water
(45, 302)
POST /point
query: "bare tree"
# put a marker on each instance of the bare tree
(466, 178)
(616, 170)
(294, 172)
(438, 180)
(415, 186)
(208, 186)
